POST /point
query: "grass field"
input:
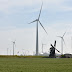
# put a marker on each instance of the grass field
(15, 64)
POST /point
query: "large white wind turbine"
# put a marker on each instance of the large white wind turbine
(38, 21)
(62, 40)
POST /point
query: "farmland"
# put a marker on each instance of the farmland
(16, 64)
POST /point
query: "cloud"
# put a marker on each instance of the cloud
(19, 2)
(4, 6)
(7, 5)
(24, 3)
(30, 6)
(32, 2)
(67, 8)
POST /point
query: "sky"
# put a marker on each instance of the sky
(56, 17)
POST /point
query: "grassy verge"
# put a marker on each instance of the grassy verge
(8, 56)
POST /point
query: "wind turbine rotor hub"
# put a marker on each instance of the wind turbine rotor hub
(37, 19)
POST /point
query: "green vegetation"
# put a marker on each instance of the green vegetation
(21, 64)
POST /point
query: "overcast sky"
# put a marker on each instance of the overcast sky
(56, 17)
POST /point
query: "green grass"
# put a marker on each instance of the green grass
(15, 64)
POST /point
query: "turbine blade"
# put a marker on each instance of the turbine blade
(64, 34)
(32, 21)
(40, 11)
(58, 50)
(59, 36)
(55, 43)
(43, 27)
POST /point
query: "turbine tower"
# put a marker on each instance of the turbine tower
(13, 46)
(38, 21)
(62, 40)
(42, 47)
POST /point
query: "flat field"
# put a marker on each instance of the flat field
(15, 64)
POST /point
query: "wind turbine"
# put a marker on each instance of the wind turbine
(62, 40)
(13, 46)
(38, 21)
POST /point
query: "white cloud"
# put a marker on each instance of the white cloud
(4, 5)
(32, 2)
(19, 2)
(67, 8)
(51, 5)
(24, 3)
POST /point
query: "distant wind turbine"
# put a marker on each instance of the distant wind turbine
(42, 47)
(62, 40)
(13, 46)
(38, 21)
